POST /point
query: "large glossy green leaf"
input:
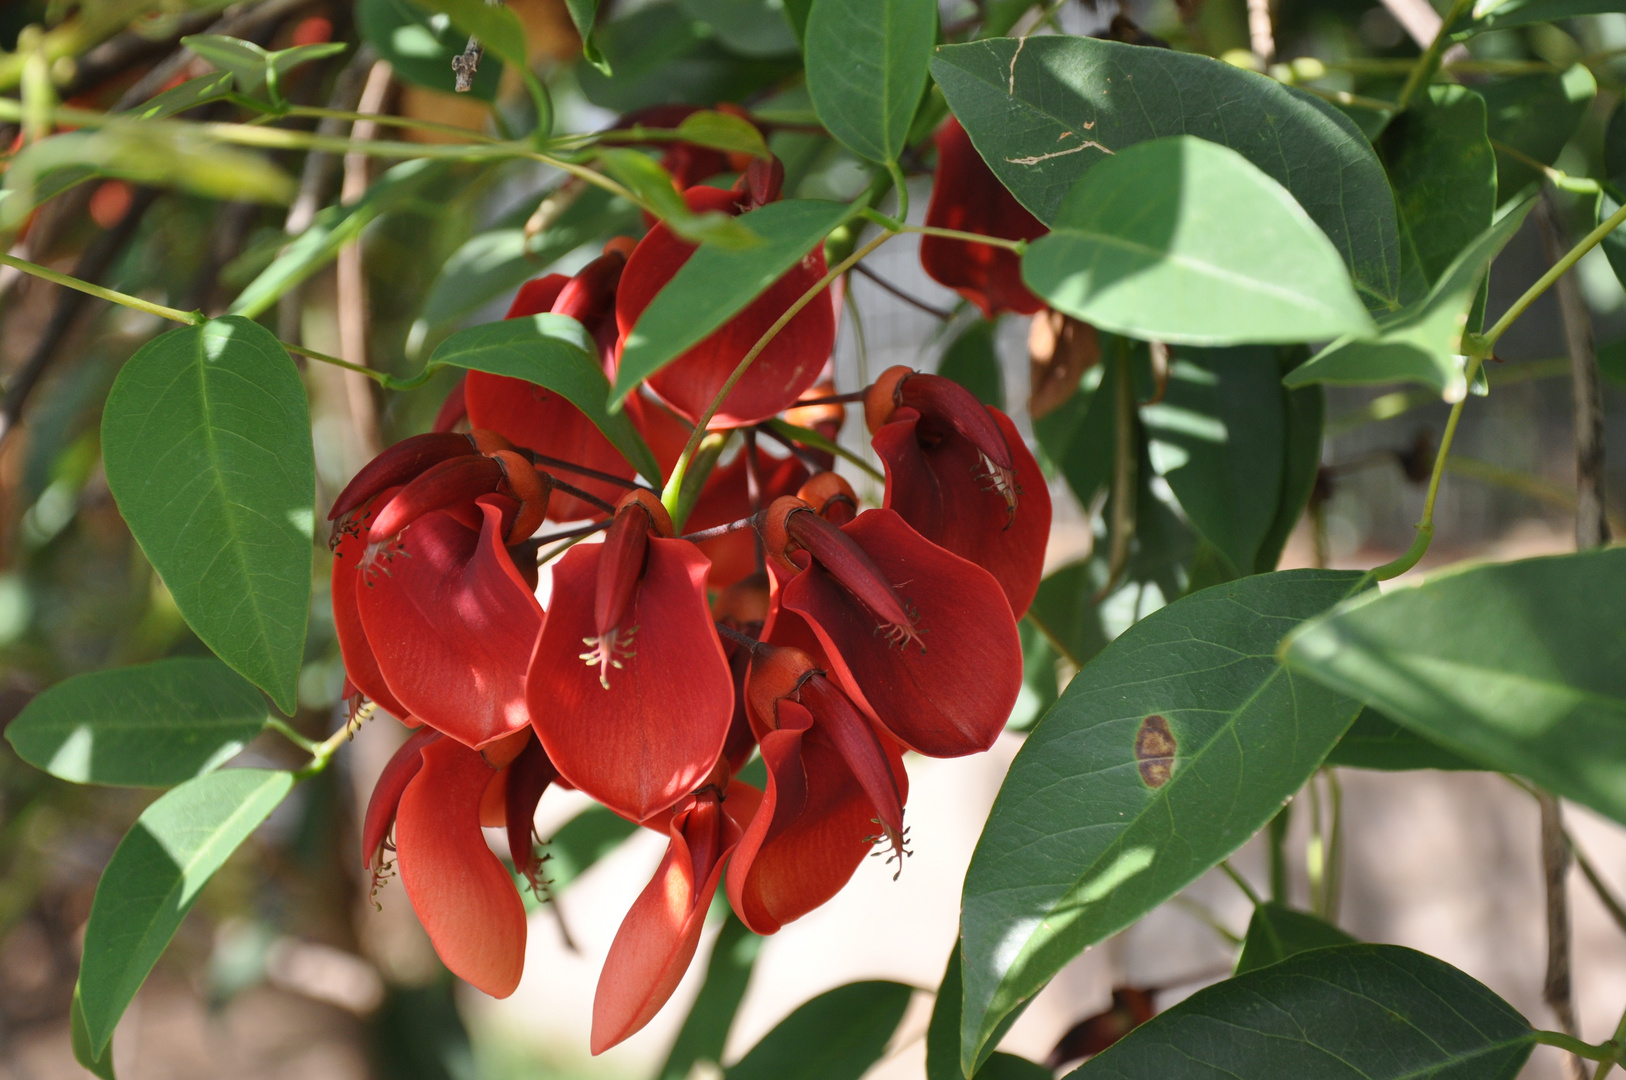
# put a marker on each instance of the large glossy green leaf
(1045, 110)
(1535, 115)
(1354, 1012)
(943, 1030)
(151, 725)
(154, 877)
(1276, 932)
(555, 352)
(1519, 665)
(331, 230)
(705, 1029)
(1184, 240)
(1443, 170)
(206, 441)
(715, 284)
(1422, 344)
(420, 46)
(1374, 741)
(1164, 755)
(835, 1036)
(866, 68)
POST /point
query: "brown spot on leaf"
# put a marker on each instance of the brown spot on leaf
(1154, 751)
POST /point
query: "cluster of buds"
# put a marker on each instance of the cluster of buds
(789, 622)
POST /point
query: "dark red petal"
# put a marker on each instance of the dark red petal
(967, 196)
(463, 895)
(938, 484)
(459, 480)
(947, 404)
(620, 568)
(397, 465)
(528, 778)
(386, 797)
(789, 364)
(863, 751)
(453, 625)
(947, 695)
(655, 734)
(360, 665)
(535, 297)
(657, 939)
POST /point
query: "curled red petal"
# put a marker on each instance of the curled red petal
(946, 694)
(398, 465)
(360, 665)
(528, 778)
(461, 892)
(967, 196)
(453, 624)
(938, 483)
(654, 734)
(457, 480)
(386, 797)
(788, 365)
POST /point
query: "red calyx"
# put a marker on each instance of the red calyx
(399, 464)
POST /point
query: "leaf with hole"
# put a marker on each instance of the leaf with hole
(1110, 808)
(151, 725)
(835, 1036)
(866, 69)
(1520, 665)
(1184, 240)
(155, 876)
(206, 441)
(1277, 931)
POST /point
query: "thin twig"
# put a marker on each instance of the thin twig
(1555, 861)
(1606, 896)
(1260, 38)
(352, 278)
(913, 301)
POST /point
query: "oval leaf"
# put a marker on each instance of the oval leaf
(1163, 756)
(1520, 665)
(555, 352)
(1043, 111)
(1355, 1012)
(154, 877)
(1184, 240)
(866, 69)
(1374, 741)
(1276, 932)
(152, 725)
(206, 440)
(836, 1036)
(717, 283)
(705, 1029)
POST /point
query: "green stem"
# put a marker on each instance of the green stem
(389, 121)
(322, 752)
(1344, 97)
(190, 318)
(286, 730)
(674, 483)
(903, 189)
(1241, 882)
(1426, 64)
(1018, 246)
(1616, 1049)
(809, 437)
(705, 460)
(1577, 1047)
(1545, 282)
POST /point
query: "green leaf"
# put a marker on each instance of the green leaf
(246, 61)
(943, 1031)
(154, 877)
(1510, 13)
(717, 283)
(496, 25)
(1422, 344)
(1612, 361)
(1276, 932)
(555, 352)
(98, 1064)
(1077, 436)
(330, 231)
(748, 27)
(722, 131)
(1184, 240)
(1354, 1012)
(1109, 808)
(285, 60)
(1218, 437)
(207, 446)
(1010, 1067)
(152, 725)
(705, 1029)
(866, 69)
(188, 95)
(652, 184)
(583, 841)
(1305, 411)
(583, 14)
(796, 13)
(1519, 665)
(972, 360)
(1039, 680)
(1041, 111)
(835, 1036)
(1535, 115)
(1443, 170)
(1374, 741)
(420, 46)
(1064, 610)
(1614, 243)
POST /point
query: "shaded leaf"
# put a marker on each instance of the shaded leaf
(188, 95)
(1510, 13)
(1039, 679)
(648, 181)
(154, 877)
(496, 25)
(207, 446)
(943, 1030)
(748, 27)
(583, 14)
(705, 1029)
(866, 68)
(1305, 411)
(79, 1038)
(1184, 240)
(1519, 665)
(1374, 741)
(835, 1036)
(1109, 808)
(973, 361)
(1535, 115)
(583, 841)
(151, 725)
(420, 46)
(1277, 931)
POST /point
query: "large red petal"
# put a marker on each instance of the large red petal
(655, 733)
(461, 892)
(453, 626)
(951, 693)
(933, 482)
(385, 800)
(789, 364)
(360, 665)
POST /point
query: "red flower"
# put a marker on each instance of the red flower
(657, 939)
(966, 195)
(958, 472)
(789, 364)
(431, 793)
(639, 719)
(727, 497)
(921, 640)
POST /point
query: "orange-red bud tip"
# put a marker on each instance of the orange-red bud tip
(831, 497)
(881, 401)
(776, 673)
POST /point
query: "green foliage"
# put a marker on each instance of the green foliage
(583, 14)
(866, 68)
(1374, 741)
(1535, 115)
(705, 1029)
(943, 1031)
(152, 725)
(1276, 932)
(188, 95)
(972, 361)
(253, 67)
(206, 440)
(835, 1036)
(653, 186)
(420, 46)
(583, 841)
(747, 27)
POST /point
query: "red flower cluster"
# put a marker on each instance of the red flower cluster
(831, 639)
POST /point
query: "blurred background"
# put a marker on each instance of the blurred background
(287, 969)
